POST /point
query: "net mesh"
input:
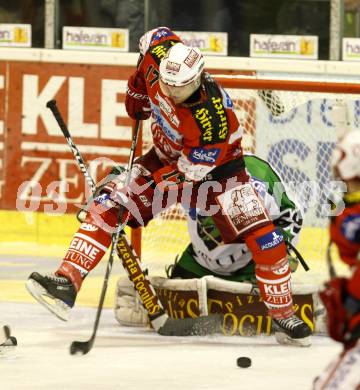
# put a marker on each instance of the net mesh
(296, 132)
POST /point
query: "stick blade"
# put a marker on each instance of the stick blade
(199, 326)
(80, 347)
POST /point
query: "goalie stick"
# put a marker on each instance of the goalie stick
(159, 319)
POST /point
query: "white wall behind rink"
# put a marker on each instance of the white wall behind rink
(331, 69)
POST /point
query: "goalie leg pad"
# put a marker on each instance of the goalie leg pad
(129, 310)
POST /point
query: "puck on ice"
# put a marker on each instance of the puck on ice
(243, 362)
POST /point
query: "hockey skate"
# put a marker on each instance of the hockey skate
(54, 292)
(292, 331)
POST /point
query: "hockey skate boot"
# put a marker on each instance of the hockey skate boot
(292, 331)
(53, 291)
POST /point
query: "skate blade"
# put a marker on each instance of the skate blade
(284, 339)
(54, 305)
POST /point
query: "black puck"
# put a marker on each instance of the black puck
(243, 362)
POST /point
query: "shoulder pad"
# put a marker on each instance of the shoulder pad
(211, 116)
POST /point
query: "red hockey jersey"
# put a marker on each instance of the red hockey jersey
(345, 233)
(194, 138)
(345, 229)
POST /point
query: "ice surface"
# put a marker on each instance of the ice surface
(135, 358)
(130, 358)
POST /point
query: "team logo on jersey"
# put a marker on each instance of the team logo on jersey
(242, 208)
(202, 155)
(270, 240)
(212, 120)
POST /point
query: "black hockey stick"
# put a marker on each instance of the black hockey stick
(75, 151)
(289, 246)
(85, 346)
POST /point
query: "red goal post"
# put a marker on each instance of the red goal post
(254, 82)
(290, 119)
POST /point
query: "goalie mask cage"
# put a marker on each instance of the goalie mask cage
(292, 121)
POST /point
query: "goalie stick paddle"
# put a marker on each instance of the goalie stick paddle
(85, 346)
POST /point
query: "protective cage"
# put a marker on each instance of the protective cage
(294, 123)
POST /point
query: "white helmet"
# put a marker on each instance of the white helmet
(180, 72)
(346, 156)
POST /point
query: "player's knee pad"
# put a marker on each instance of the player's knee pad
(266, 244)
(128, 308)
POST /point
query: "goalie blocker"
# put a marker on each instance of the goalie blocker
(240, 304)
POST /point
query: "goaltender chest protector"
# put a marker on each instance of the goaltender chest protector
(180, 128)
(345, 232)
